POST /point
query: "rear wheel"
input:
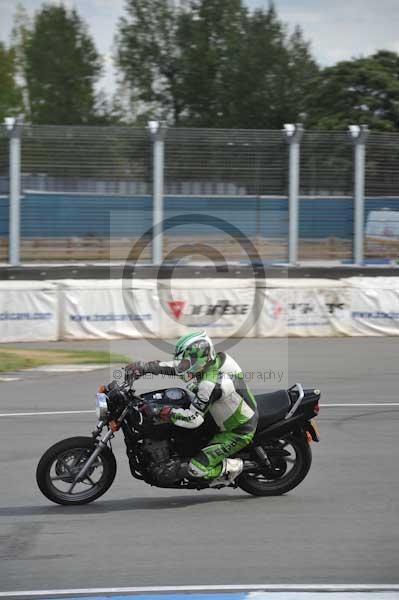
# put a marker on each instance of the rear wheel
(288, 470)
(59, 466)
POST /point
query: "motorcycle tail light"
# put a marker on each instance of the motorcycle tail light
(317, 408)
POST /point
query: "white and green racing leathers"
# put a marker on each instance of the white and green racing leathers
(220, 389)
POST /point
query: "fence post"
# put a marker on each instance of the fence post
(14, 130)
(158, 133)
(293, 135)
(359, 136)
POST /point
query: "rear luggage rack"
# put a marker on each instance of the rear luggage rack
(299, 388)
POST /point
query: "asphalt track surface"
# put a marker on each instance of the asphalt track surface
(341, 525)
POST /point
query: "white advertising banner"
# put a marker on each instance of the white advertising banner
(305, 312)
(225, 307)
(112, 309)
(28, 311)
(372, 283)
(375, 311)
(375, 305)
(108, 309)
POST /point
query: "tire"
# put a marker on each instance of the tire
(77, 449)
(288, 481)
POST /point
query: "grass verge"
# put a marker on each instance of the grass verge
(13, 359)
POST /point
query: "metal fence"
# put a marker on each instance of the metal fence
(96, 193)
(4, 193)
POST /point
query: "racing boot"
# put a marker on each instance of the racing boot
(231, 469)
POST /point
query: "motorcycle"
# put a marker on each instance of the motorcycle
(79, 470)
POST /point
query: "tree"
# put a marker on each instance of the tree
(211, 37)
(10, 94)
(149, 57)
(302, 74)
(259, 89)
(177, 61)
(364, 90)
(275, 73)
(212, 63)
(60, 66)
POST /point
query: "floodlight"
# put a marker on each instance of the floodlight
(289, 129)
(153, 126)
(9, 122)
(354, 130)
(359, 133)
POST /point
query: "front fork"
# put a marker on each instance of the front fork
(101, 445)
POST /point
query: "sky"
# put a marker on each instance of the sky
(337, 29)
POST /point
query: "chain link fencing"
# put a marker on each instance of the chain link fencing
(326, 203)
(87, 194)
(235, 181)
(73, 179)
(4, 190)
(382, 196)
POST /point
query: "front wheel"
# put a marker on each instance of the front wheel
(288, 472)
(60, 464)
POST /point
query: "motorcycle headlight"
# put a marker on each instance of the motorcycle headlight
(101, 406)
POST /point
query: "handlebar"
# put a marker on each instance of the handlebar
(132, 372)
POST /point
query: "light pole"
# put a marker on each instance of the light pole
(158, 132)
(14, 131)
(293, 136)
(359, 135)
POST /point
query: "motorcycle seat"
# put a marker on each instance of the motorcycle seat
(272, 407)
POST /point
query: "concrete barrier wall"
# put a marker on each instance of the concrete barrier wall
(112, 309)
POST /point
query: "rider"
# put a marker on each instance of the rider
(215, 383)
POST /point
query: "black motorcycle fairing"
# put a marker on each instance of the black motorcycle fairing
(309, 406)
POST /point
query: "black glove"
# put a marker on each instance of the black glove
(134, 371)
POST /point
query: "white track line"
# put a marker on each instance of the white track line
(41, 414)
(70, 368)
(210, 588)
(82, 412)
(360, 404)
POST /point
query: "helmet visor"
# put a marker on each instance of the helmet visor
(184, 365)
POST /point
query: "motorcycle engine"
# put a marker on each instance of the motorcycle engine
(165, 468)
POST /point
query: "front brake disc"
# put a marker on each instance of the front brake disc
(66, 472)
